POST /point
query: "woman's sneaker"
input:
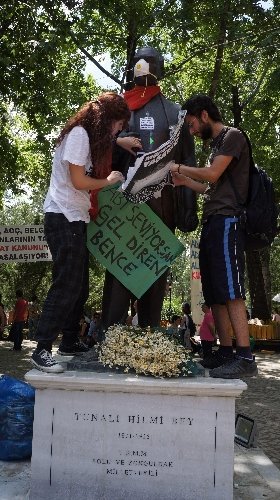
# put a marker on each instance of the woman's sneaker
(44, 361)
(77, 348)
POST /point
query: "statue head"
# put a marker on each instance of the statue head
(148, 66)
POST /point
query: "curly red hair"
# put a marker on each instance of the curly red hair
(96, 117)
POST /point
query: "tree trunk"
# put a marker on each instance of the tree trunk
(220, 49)
(259, 283)
(236, 106)
(131, 43)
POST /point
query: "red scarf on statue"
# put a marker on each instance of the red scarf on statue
(139, 96)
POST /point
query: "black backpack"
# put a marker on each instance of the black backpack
(260, 213)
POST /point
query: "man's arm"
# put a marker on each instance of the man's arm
(206, 174)
(182, 180)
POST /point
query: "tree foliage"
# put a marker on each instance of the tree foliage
(225, 48)
(42, 81)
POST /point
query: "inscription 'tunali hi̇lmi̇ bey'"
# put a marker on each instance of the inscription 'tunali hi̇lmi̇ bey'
(131, 419)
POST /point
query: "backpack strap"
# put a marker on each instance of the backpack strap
(219, 143)
(252, 163)
(251, 168)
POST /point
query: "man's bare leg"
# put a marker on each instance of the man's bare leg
(224, 331)
(222, 324)
(243, 364)
(239, 322)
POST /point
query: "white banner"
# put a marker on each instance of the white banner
(196, 289)
(24, 244)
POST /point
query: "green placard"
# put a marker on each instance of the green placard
(131, 241)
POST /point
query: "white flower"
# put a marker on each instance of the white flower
(145, 351)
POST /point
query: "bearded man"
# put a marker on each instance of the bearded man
(222, 241)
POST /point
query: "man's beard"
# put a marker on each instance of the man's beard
(206, 132)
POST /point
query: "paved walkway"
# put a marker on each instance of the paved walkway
(256, 471)
(261, 402)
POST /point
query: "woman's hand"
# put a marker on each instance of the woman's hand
(115, 177)
(128, 143)
(82, 181)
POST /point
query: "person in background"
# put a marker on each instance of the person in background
(33, 316)
(128, 320)
(84, 325)
(276, 316)
(207, 331)
(134, 321)
(3, 318)
(173, 328)
(82, 162)
(187, 326)
(222, 241)
(20, 316)
(95, 332)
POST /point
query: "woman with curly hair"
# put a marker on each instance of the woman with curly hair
(82, 162)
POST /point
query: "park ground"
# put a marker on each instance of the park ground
(260, 401)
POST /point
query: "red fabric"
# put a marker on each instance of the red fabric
(102, 173)
(139, 96)
(93, 211)
(20, 310)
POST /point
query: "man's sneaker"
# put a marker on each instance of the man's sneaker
(44, 361)
(77, 348)
(238, 368)
(216, 359)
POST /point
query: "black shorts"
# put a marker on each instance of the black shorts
(222, 260)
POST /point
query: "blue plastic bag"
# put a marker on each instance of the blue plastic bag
(16, 418)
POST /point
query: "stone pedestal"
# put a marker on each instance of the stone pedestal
(107, 436)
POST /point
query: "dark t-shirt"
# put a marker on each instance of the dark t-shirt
(219, 197)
